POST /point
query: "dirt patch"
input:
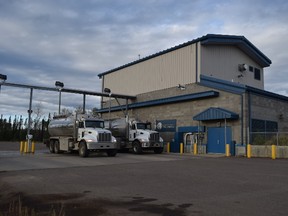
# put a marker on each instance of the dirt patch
(73, 204)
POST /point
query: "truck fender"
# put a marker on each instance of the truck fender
(88, 137)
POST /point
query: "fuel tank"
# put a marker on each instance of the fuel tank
(118, 127)
(62, 126)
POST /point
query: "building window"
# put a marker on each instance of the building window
(251, 69)
(257, 74)
(264, 126)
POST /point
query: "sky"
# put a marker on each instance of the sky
(72, 41)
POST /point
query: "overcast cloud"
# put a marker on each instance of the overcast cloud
(72, 41)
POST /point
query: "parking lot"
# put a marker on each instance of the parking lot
(147, 184)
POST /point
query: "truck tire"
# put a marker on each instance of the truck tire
(51, 146)
(111, 152)
(158, 150)
(83, 152)
(57, 147)
(136, 147)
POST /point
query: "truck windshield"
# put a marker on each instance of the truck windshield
(144, 126)
(94, 124)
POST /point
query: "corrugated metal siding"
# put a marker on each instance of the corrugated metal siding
(161, 72)
(222, 62)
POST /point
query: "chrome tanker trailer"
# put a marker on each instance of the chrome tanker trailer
(80, 133)
(135, 135)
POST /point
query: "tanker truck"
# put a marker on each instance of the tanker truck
(135, 135)
(80, 133)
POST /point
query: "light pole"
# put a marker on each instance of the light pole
(29, 136)
(107, 90)
(3, 78)
(59, 85)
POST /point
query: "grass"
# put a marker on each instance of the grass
(17, 208)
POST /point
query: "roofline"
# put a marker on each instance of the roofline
(242, 43)
(162, 101)
(237, 88)
(208, 39)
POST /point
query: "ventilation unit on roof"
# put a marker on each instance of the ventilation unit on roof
(242, 67)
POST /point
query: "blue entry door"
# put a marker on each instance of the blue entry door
(216, 139)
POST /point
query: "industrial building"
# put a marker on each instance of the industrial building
(210, 89)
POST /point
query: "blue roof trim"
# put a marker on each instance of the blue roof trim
(214, 113)
(239, 41)
(237, 88)
(266, 93)
(224, 85)
(175, 99)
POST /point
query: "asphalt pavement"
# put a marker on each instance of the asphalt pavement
(147, 184)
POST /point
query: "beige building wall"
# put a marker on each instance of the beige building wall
(161, 72)
(183, 66)
(222, 62)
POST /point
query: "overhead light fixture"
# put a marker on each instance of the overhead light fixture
(107, 90)
(3, 78)
(241, 75)
(181, 87)
(59, 85)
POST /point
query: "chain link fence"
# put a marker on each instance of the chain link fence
(269, 138)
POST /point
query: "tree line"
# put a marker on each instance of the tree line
(16, 129)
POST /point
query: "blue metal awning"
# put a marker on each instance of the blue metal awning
(215, 113)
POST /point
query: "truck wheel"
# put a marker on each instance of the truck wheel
(137, 149)
(111, 152)
(83, 152)
(51, 146)
(158, 150)
(57, 147)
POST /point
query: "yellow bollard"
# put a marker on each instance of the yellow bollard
(168, 147)
(227, 150)
(248, 150)
(195, 149)
(21, 146)
(25, 147)
(181, 148)
(273, 151)
(33, 148)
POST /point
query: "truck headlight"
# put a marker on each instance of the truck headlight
(91, 140)
(143, 140)
(114, 139)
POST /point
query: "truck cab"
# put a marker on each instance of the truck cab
(143, 137)
(82, 133)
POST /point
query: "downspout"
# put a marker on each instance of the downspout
(196, 63)
(101, 102)
(242, 119)
(102, 91)
(250, 119)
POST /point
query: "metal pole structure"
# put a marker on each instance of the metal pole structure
(225, 132)
(84, 103)
(29, 137)
(110, 108)
(59, 108)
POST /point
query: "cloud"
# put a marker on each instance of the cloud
(73, 41)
